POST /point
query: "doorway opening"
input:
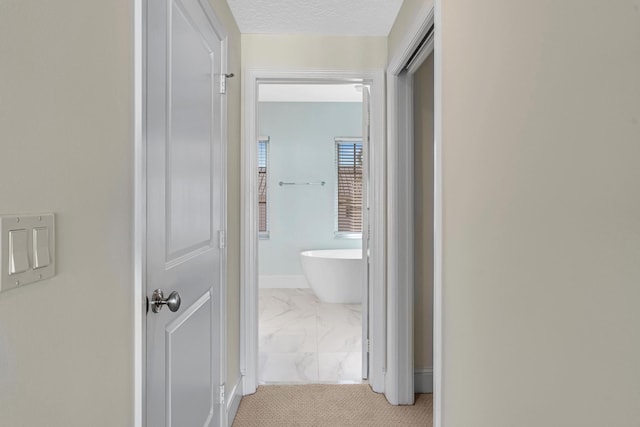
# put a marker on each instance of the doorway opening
(414, 215)
(312, 181)
(306, 191)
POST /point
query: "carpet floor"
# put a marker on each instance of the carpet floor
(329, 405)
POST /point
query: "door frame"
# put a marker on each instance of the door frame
(249, 232)
(140, 211)
(400, 209)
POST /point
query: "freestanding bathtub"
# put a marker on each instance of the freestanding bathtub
(335, 275)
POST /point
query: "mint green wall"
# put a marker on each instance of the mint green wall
(302, 148)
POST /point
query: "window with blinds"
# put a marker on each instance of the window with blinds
(349, 186)
(263, 207)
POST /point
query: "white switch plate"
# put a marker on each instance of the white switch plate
(29, 223)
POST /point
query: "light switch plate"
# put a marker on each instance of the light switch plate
(40, 233)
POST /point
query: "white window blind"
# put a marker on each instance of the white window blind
(263, 207)
(349, 182)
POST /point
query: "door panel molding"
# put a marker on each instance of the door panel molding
(186, 168)
(202, 355)
(190, 253)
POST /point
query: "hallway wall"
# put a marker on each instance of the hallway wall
(404, 20)
(313, 52)
(423, 215)
(541, 141)
(66, 355)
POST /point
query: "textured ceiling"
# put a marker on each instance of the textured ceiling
(321, 17)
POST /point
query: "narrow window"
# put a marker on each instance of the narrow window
(263, 207)
(349, 192)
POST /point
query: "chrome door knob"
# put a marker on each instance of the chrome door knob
(158, 300)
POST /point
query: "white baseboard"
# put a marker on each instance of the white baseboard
(423, 380)
(233, 401)
(282, 281)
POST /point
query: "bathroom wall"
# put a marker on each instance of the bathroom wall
(302, 148)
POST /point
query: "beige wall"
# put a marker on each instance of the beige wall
(313, 52)
(233, 192)
(66, 146)
(541, 141)
(405, 19)
(423, 214)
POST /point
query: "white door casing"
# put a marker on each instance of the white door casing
(185, 214)
(366, 230)
(249, 225)
(412, 49)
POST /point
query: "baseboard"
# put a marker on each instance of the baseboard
(282, 281)
(233, 401)
(423, 380)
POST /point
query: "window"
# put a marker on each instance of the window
(349, 187)
(263, 210)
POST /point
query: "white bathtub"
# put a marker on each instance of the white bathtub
(334, 275)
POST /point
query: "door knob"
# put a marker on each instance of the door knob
(158, 300)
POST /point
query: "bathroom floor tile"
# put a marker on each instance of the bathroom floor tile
(288, 367)
(341, 315)
(339, 328)
(337, 339)
(303, 340)
(289, 321)
(340, 366)
(284, 340)
(291, 311)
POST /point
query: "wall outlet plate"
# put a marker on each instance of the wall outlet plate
(30, 223)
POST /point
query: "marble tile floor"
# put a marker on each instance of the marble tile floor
(303, 340)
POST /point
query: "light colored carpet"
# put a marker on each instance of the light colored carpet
(329, 405)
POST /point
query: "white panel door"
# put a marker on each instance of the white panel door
(366, 228)
(184, 214)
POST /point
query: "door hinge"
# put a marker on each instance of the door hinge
(221, 401)
(222, 239)
(368, 346)
(223, 83)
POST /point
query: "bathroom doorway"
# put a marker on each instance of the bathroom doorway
(308, 200)
(312, 180)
